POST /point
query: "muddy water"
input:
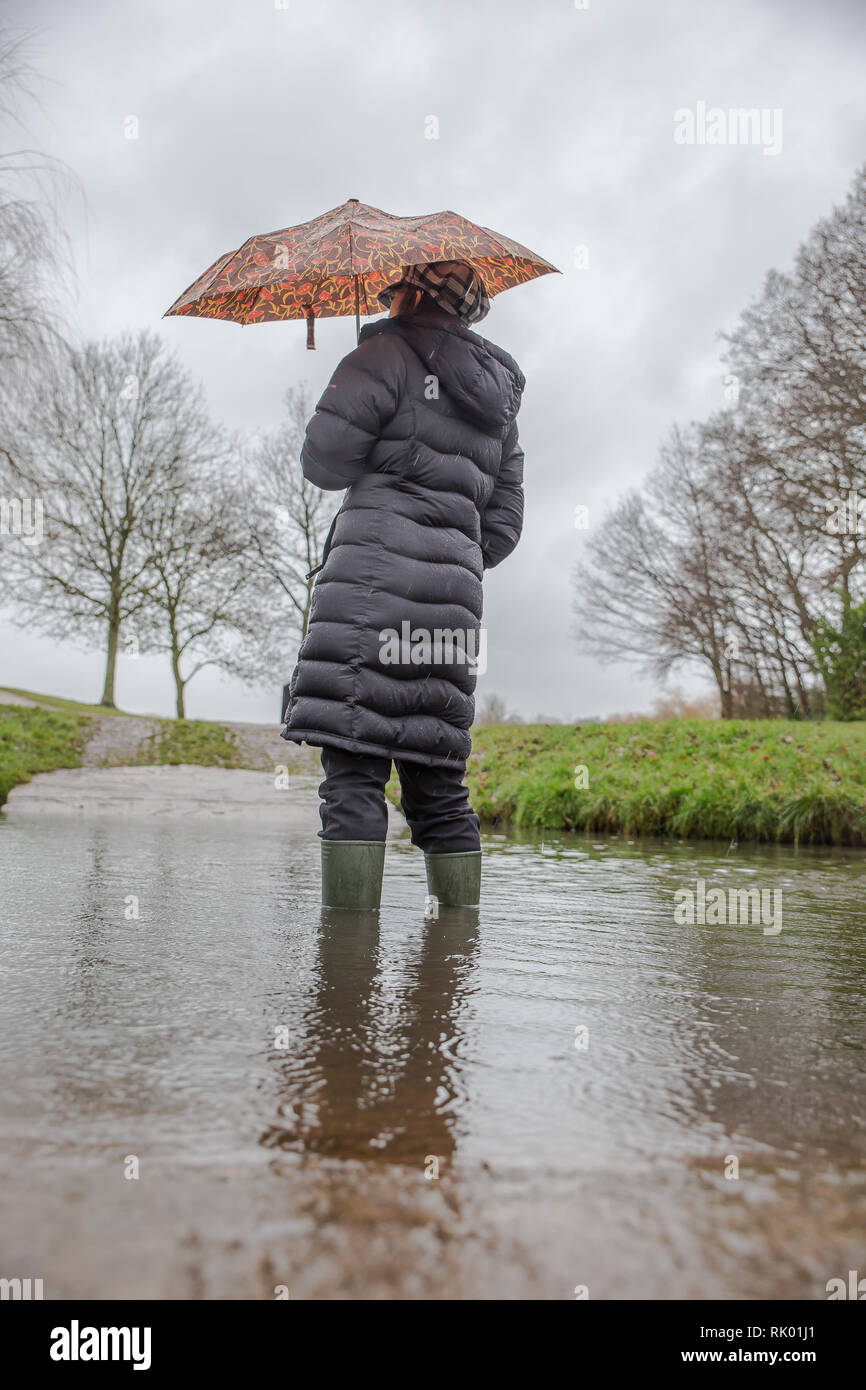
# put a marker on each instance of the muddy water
(207, 1090)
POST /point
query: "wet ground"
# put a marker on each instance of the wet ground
(208, 1091)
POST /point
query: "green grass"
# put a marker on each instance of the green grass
(36, 740)
(770, 780)
(192, 741)
(71, 706)
(698, 779)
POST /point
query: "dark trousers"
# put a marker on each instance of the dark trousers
(434, 801)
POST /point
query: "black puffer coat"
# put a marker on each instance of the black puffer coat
(419, 424)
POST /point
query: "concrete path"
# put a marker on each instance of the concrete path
(116, 740)
(174, 791)
(163, 791)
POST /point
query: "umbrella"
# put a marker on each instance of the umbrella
(339, 262)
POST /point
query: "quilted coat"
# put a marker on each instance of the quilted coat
(418, 424)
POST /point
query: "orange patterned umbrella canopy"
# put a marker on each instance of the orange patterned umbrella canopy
(338, 262)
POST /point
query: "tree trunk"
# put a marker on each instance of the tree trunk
(111, 655)
(726, 699)
(805, 707)
(765, 695)
(179, 682)
(307, 606)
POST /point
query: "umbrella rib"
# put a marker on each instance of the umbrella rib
(354, 275)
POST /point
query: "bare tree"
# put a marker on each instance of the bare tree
(799, 354)
(766, 563)
(99, 438)
(288, 520)
(650, 590)
(197, 575)
(750, 535)
(35, 262)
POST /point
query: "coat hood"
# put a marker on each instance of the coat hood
(483, 380)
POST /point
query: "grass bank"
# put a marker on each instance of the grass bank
(770, 780)
(700, 779)
(54, 733)
(196, 742)
(68, 706)
(37, 740)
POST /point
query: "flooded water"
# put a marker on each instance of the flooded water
(208, 1090)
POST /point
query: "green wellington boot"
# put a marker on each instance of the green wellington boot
(454, 879)
(352, 873)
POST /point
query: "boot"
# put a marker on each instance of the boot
(352, 873)
(454, 879)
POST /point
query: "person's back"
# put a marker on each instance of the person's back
(418, 424)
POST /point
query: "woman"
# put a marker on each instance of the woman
(419, 425)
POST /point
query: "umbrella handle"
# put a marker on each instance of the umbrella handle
(357, 310)
(311, 330)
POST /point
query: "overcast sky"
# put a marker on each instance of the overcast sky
(556, 126)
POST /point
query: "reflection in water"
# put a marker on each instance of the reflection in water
(766, 1064)
(380, 1080)
(149, 967)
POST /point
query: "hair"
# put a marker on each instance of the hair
(425, 301)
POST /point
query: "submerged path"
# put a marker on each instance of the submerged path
(210, 1090)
